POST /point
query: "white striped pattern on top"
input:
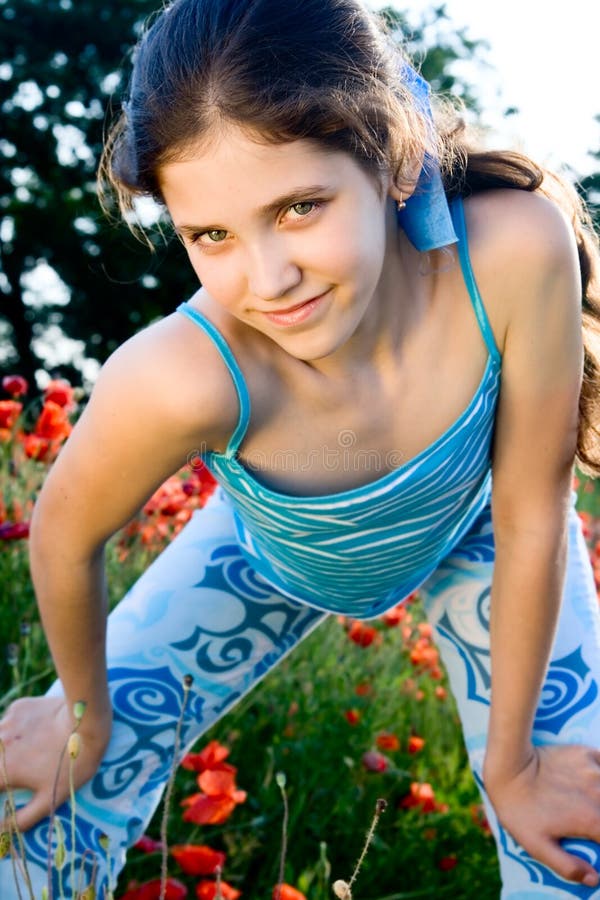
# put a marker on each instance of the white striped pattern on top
(361, 551)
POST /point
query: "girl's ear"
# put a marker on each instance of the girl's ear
(401, 186)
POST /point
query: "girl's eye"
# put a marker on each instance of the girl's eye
(303, 208)
(215, 236)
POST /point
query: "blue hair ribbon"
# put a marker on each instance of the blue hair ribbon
(426, 218)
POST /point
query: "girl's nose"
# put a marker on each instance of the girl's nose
(271, 271)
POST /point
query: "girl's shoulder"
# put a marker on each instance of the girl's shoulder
(519, 243)
(528, 224)
(173, 369)
(523, 230)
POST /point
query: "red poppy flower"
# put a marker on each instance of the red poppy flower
(395, 616)
(447, 863)
(421, 797)
(207, 890)
(35, 447)
(150, 890)
(363, 635)
(387, 741)
(52, 422)
(363, 689)
(60, 392)
(415, 743)
(374, 761)
(479, 817)
(423, 654)
(287, 892)
(218, 781)
(15, 385)
(14, 531)
(206, 810)
(10, 410)
(211, 757)
(352, 716)
(197, 859)
(148, 845)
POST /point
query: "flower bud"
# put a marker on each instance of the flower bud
(342, 890)
(15, 385)
(60, 856)
(4, 844)
(79, 709)
(74, 745)
(104, 842)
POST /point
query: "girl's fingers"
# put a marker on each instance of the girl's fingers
(36, 808)
(567, 866)
(33, 811)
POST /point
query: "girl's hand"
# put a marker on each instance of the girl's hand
(34, 732)
(555, 795)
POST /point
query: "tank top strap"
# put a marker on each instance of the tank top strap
(458, 219)
(234, 370)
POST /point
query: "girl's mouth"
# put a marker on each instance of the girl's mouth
(295, 314)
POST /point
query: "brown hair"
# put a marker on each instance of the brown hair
(321, 70)
(305, 69)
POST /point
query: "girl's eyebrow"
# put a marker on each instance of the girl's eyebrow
(296, 195)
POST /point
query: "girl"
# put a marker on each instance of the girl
(373, 289)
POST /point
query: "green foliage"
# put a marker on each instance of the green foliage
(294, 723)
(434, 46)
(590, 190)
(61, 60)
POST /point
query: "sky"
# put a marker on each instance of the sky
(546, 64)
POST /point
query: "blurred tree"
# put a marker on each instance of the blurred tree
(590, 189)
(434, 43)
(60, 62)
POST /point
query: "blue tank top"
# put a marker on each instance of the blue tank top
(360, 551)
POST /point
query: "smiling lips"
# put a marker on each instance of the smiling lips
(295, 314)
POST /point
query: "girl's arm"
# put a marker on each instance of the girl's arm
(148, 410)
(540, 795)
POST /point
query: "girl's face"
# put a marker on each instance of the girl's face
(289, 238)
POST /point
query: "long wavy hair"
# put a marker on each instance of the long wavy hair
(325, 71)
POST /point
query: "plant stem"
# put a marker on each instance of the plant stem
(59, 862)
(15, 692)
(12, 817)
(73, 829)
(380, 806)
(51, 822)
(280, 779)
